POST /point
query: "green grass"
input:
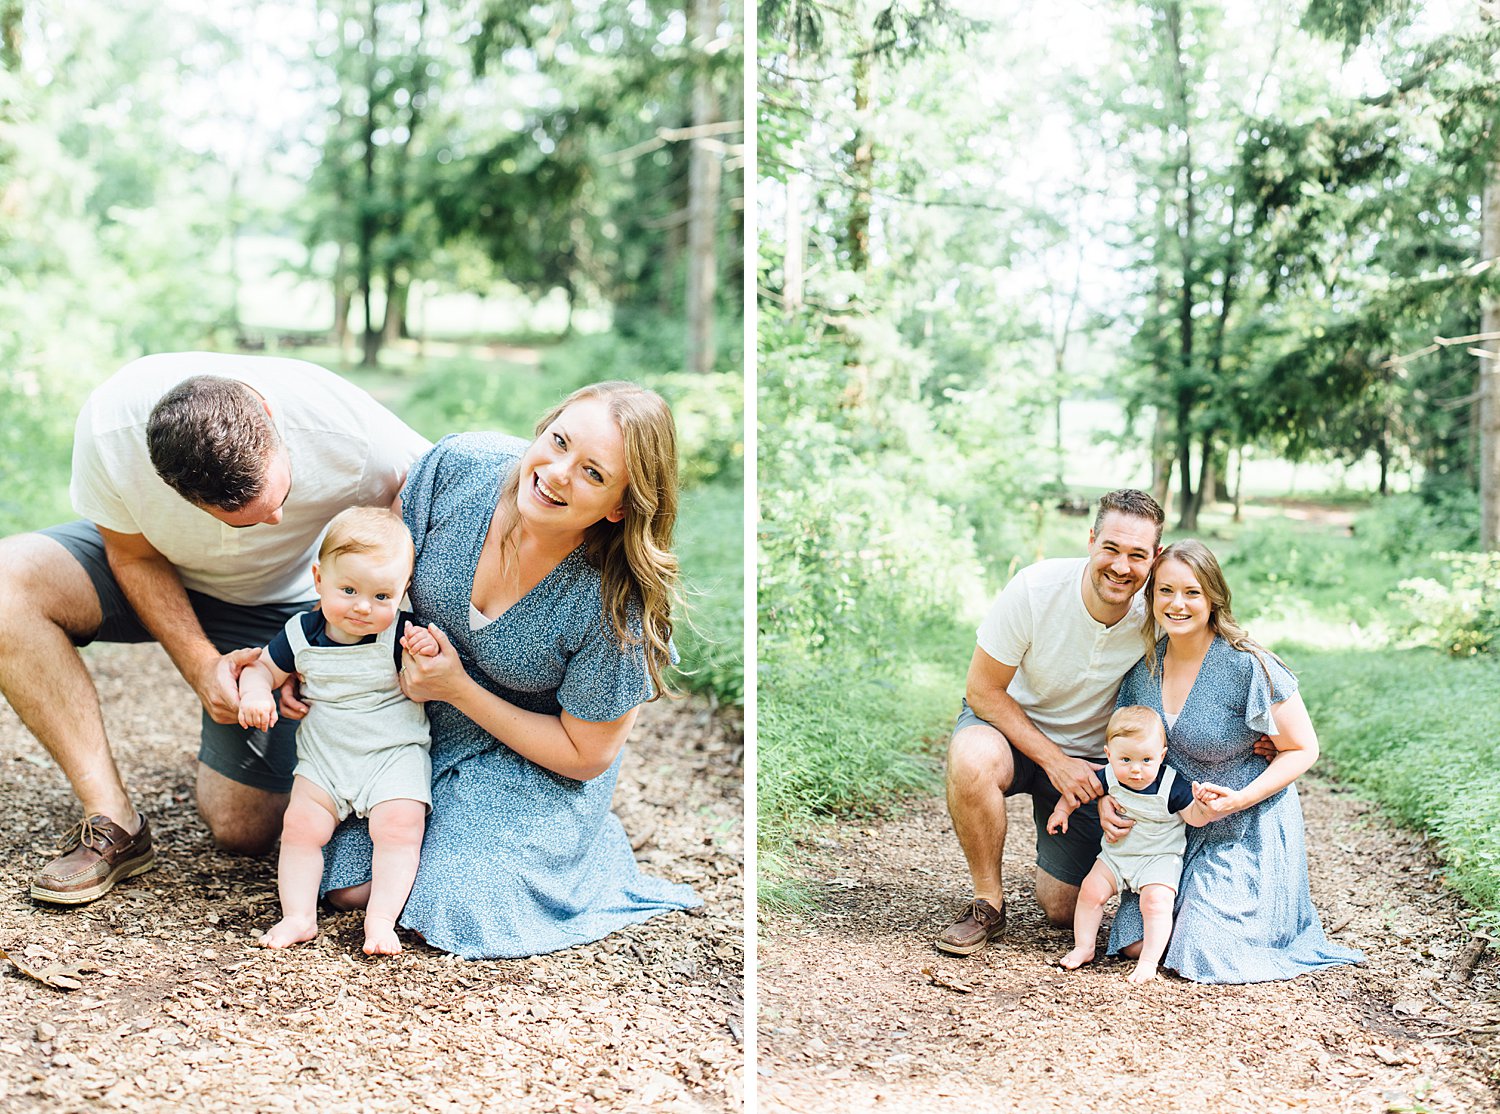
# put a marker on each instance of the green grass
(846, 732)
(1415, 730)
(710, 545)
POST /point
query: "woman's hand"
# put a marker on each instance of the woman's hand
(431, 676)
(1220, 800)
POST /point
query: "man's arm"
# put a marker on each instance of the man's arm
(155, 591)
(987, 696)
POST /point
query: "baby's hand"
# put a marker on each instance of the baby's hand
(419, 640)
(1057, 822)
(258, 712)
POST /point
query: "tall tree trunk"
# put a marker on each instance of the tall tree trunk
(1187, 518)
(236, 225)
(367, 223)
(1488, 408)
(1239, 479)
(704, 171)
(11, 13)
(1187, 218)
(343, 299)
(1208, 482)
(1161, 462)
(394, 326)
(861, 165)
(794, 261)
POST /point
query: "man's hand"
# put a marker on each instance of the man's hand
(217, 683)
(1115, 823)
(1074, 780)
(1265, 748)
(293, 707)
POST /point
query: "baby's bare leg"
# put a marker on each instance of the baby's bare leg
(1156, 914)
(396, 829)
(1097, 888)
(305, 829)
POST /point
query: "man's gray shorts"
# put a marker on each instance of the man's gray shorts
(260, 759)
(1067, 856)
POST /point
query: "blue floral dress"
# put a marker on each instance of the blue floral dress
(517, 860)
(1243, 912)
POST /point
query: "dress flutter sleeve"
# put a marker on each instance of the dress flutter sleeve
(1271, 683)
(605, 679)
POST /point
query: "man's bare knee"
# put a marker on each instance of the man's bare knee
(242, 819)
(41, 582)
(979, 757)
(1057, 899)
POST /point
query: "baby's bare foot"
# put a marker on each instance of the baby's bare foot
(1144, 974)
(288, 931)
(1076, 959)
(381, 939)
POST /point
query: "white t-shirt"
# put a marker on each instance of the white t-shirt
(1069, 665)
(345, 450)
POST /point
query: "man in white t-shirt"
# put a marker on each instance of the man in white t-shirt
(204, 482)
(1042, 683)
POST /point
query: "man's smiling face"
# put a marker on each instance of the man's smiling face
(1120, 556)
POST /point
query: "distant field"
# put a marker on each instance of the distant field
(276, 294)
(1092, 426)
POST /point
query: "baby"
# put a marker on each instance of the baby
(363, 747)
(1148, 859)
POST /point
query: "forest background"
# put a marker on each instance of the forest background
(467, 207)
(1015, 255)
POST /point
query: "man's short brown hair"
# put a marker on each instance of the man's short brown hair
(211, 441)
(1129, 501)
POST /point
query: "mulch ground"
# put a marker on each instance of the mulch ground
(178, 1011)
(859, 1012)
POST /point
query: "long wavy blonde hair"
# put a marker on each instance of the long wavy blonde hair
(634, 556)
(1205, 566)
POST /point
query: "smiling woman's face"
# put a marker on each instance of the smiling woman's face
(573, 475)
(1178, 602)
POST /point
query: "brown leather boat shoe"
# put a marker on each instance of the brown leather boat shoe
(96, 853)
(980, 924)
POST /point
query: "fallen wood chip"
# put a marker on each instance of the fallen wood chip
(1468, 959)
(947, 982)
(63, 976)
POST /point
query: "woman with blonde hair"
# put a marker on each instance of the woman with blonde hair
(545, 573)
(1243, 910)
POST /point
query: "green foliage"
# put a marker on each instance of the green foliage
(1282, 557)
(1415, 731)
(1460, 614)
(842, 733)
(1408, 529)
(710, 636)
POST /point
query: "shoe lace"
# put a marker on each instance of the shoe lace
(85, 834)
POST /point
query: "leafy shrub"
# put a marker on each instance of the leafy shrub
(1461, 616)
(1282, 556)
(1407, 528)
